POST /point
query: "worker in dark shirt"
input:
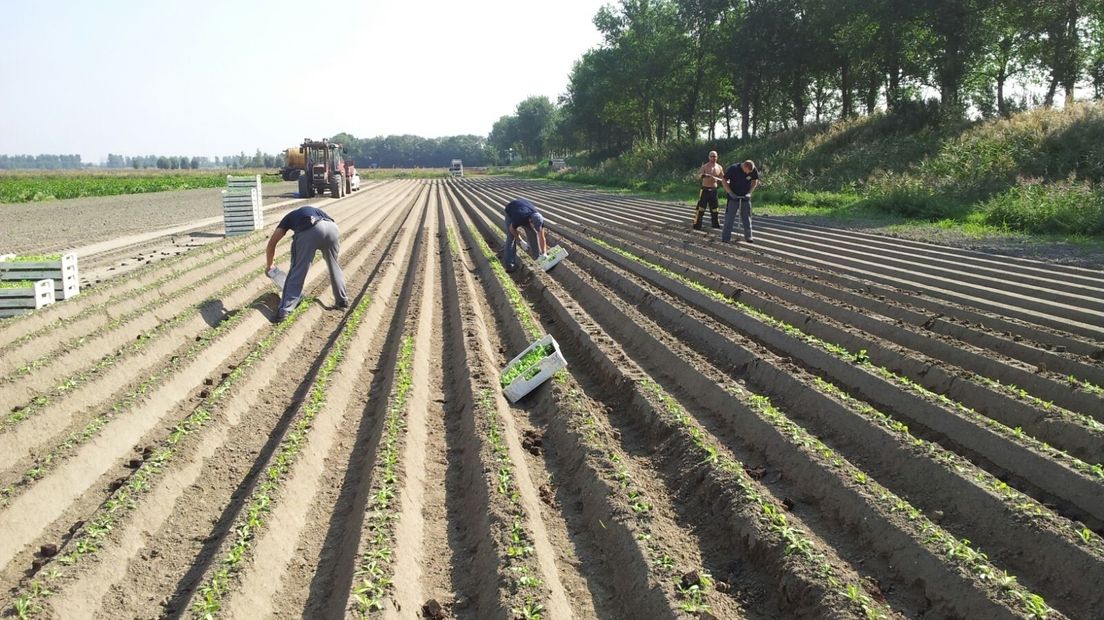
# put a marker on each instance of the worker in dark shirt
(740, 180)
(314, 230)
(520, 213)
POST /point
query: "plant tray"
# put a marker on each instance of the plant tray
(62, 270)
(555, 255)
(23, 299)
(532, 367)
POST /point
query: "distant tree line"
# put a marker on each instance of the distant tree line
(408, 151)
(43, 162)
(687, 69)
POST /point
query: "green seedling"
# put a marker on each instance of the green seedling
(523, 365)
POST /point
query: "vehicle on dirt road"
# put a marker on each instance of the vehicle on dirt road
(456, 168)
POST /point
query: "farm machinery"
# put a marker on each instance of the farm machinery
(319, 167)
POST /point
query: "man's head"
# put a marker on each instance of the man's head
(747, 166)
(713, 156)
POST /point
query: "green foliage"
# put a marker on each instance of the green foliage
(15, 188)
(1067, 207)
(33, 258)
(522, 365)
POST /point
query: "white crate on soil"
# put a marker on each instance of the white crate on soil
(24, 299)
(536, 373)
(63, 271)
(556, 254)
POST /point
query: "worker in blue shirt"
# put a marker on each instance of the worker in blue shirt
(314, 231)
(520, 213)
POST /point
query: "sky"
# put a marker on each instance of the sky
(214, 78)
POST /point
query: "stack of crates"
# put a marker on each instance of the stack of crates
(61, 268)
(242, 207)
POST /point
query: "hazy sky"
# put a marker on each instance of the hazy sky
(207, 77)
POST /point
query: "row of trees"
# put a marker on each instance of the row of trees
(408, 151)
(39, 162)
(672, 69)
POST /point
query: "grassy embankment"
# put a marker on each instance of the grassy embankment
(1039, 174)
(39, 185)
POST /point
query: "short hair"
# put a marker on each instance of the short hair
(749, 163)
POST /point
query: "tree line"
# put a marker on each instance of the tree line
(407, 151)
(686, 69)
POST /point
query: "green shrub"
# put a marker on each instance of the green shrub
(1068, 207)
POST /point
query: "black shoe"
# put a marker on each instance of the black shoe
(716, 225)
(750, 240)
(341, 305)
(696, 226)
(279, 318)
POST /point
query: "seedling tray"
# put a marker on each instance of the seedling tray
(22, 297)
(62, 269)
(555, 255)
(531, 367)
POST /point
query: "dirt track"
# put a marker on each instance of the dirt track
(822, 424)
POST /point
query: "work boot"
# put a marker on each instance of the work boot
(698, 219)
(716, 222)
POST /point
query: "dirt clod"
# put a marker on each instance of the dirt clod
(547, 495)
(433, 610)
(532, 442)
(134, 463)
(756, 473)
(48, 550)
(690, 579)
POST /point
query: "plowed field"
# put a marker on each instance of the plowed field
(820, 424)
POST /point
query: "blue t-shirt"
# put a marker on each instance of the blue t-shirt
(740, 181)
(519, 210)
(303, 218)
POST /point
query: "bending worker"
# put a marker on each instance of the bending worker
(314, 230)
(520, 213)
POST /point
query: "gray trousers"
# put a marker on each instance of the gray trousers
(322, 236)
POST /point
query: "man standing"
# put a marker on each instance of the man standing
(740, 180)
(314, 230)
(520, 213)
(709, 174)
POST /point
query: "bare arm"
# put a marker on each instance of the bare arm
(541, 239)
(270, 249)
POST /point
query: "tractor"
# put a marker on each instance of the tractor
(325, 169)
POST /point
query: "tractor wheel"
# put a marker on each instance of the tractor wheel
(336, 186)
(304, 186)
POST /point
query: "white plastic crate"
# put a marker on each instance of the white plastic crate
(537, 372)
(15, 301)
(555, 255)
(63, 271)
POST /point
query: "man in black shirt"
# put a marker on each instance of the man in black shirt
(314, 230)
(740, 180)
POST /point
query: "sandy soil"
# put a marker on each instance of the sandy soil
(822, 423)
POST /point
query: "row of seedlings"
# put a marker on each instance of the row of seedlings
(810, 573)
(639, 552)
(1032, 602)
(1022, 528)
(90, 537)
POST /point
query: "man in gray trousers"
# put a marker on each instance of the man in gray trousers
(314, 230)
